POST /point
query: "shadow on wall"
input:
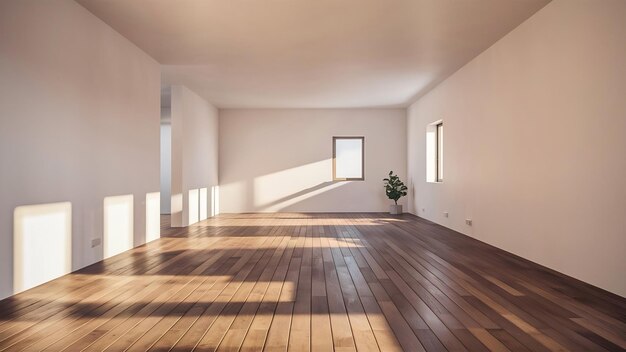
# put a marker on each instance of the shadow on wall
(43, 238)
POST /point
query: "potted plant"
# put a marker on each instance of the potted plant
(394, 188)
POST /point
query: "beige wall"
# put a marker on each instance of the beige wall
(166, 163)
(280, 160)
(79, 111)
(194, 155)
(535, 136)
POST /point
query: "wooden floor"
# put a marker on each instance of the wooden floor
(319, 282)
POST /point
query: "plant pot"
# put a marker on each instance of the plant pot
(395, 209)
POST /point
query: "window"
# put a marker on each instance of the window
(440, 152)
(434, 152)
(348, 158)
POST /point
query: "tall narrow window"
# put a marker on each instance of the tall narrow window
(440, 152)
(434, 152)
(348, 158)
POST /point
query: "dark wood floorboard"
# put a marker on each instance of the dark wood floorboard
(314, 282)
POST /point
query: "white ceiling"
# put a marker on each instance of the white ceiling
(312, 53)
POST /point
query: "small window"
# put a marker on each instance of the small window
(440, 152)
(434, 152)
(348, 158)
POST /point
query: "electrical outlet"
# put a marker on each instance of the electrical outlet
(95, 242)
(445, 214)
(468, 222)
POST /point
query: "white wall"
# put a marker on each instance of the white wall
(79, 117)
(166, 160)
(280, 160)
(194, 153)
(535, 135)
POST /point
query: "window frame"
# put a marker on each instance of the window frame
(362, 178)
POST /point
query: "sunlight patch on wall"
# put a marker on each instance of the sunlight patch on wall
(153, 216)
(192, 206)
(177, 210)
(42, 244)
(275, 191)
(118, 224)
(204, 212)
(215, 200)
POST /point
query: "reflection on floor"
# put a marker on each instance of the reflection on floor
(314, 282)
